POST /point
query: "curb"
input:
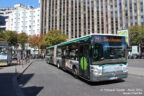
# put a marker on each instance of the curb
(20, 74)
(135, 75)
(18, 90)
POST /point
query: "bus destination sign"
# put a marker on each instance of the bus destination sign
(112, 39)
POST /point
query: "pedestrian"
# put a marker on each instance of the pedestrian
(43, 55)
(18, 58)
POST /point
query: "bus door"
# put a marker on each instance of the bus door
(63, 56)
(84, 60)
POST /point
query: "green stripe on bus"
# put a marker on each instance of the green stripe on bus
(50, 47)
(84, 63)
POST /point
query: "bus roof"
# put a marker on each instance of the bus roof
(75, 40)
(82, 38)
(71, 41)
(50, 47)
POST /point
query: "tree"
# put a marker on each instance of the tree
(2, 35)
(54, 37)
(136, 35)
(22, 39)
(36, 41)
(11, 37)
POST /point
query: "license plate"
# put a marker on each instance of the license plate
(113, 78)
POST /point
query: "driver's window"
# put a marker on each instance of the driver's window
(97, 52)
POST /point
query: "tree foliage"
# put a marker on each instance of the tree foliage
(54, 37)
(22, 39)
(36, 41)
(2, 34)
(136, 35)
(11, 37)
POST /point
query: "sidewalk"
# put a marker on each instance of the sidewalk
(136, 71)
(14, 68)
(8, 79)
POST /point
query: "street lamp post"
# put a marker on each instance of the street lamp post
(17, 58)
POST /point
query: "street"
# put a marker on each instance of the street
(138, 63)
(42, 79)
(8, 81)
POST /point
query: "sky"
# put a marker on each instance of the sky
(10, 3)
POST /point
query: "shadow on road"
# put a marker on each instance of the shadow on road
(28, 91)
(6, 84)
(23, 79)
(31, 91)
(102, 82)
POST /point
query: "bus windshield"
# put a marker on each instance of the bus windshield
(3, 50)
(109, 52)
(113, 52)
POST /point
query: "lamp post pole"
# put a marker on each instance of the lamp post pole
(17, 59)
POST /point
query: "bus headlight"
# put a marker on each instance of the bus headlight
(96, 70)
(125, 68)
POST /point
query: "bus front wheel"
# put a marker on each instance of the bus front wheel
(47, 61)
(58, 65)
(75, 72)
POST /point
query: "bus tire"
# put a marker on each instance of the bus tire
(47, 61)
(75, 72)
(58, 65)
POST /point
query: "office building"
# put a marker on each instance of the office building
(24, 19)
(3, 16)
(77, 18)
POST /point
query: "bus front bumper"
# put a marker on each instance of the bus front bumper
(108, 76)
(2, 63)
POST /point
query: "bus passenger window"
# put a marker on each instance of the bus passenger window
(59, 52)
(73, 54)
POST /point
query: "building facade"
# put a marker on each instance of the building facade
(3, 16)
(24, 19)
(77, 18)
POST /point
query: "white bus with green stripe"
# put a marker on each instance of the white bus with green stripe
(93, 57)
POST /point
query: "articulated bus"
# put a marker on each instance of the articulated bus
(5, 53)
(93, 57)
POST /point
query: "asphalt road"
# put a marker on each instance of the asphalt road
(42, 79)
(139, 63)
